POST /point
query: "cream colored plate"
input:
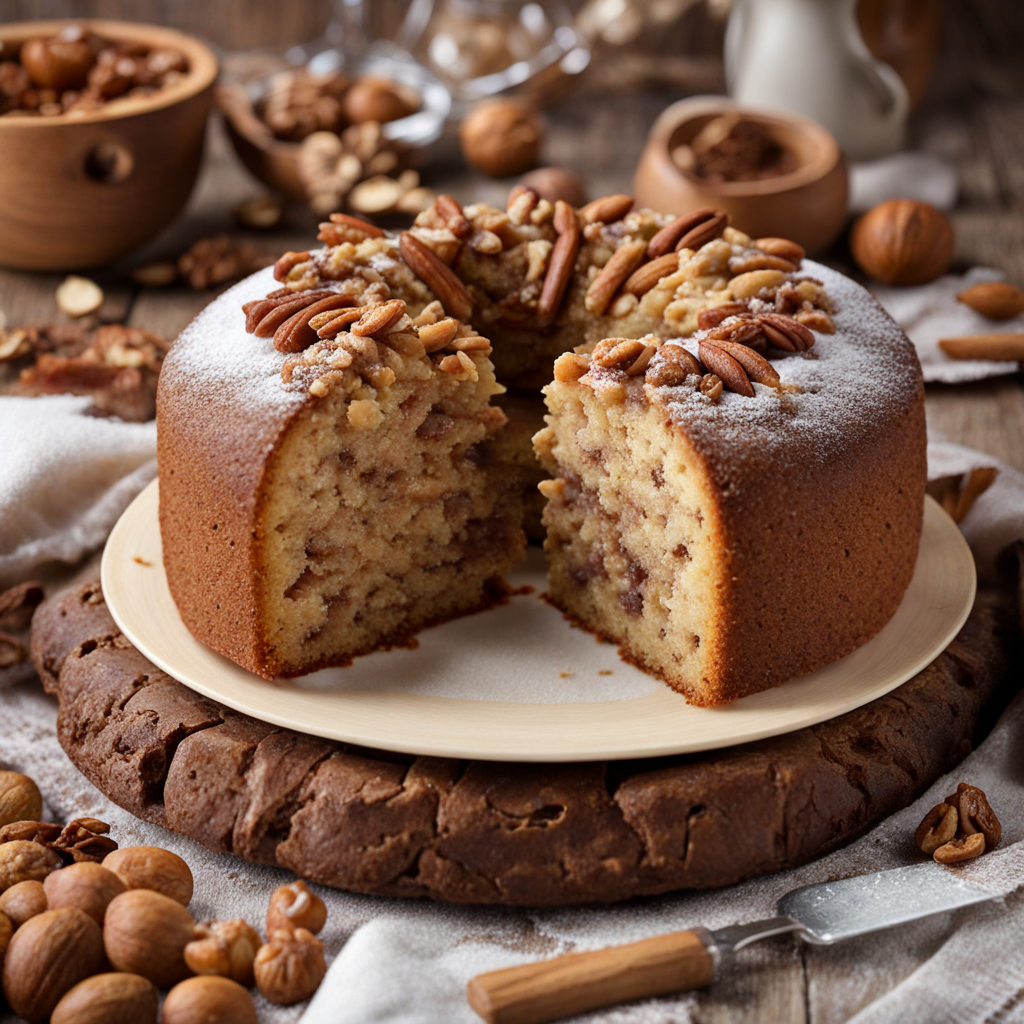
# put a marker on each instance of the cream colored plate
(517, 683)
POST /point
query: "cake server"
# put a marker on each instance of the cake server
(820, 914)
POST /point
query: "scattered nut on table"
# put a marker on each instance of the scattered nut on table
(20, 799)
(961, 827)
(150, 867)
(47, 956)
(290, 967)
(903, 242)
(938, 828)
(226, 948)
(113, 998)
(145, 932)
(209, 999)
(78, 296)
(87, 886)
(294, 906)
(996, 300)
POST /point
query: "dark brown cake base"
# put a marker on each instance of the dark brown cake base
(482, 832)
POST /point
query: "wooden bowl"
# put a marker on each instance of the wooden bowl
(78, 191)
(807, 205)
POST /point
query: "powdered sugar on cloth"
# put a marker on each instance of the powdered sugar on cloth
(408, 962)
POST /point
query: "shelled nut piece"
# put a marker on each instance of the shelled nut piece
(290, 967)
(87, 886)
(48, 956)
(208, 1000)
(113, 998)
(20, 799)
(150, 867)
(22, 860)
(225, 948)
(22, 901)
(145, 932)
(937, 829)
(78, 296)
(294, 906)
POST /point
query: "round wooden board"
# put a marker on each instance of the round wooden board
(517, 683)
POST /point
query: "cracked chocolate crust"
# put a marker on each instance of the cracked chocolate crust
(483, 832)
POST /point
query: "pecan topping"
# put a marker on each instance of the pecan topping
(570, 367)
(627, 354)
(332, 322)
(726, 367)
(964, 848)
(437, 276)
(755, 365)
(705, 232)
(562, 260)
(745, 331)
(295, 334)
(344, 228)
(607, 209)
(714, 315)
(437, 336)
(264, 316)
(451, 213)
(816, 320)
(675, 365)
(287, 262)
(521, 203)
(937, 829)
(784, 332)
(642, 280)
(667, 238)
(623, 262)
(781, 247)
(753, 260)
(379, 318)
(711, 386)
(976, 815)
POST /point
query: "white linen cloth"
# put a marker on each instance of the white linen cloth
(65, 478)
(408, 962)
(930, 311)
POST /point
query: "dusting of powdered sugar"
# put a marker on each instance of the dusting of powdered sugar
(848, 386)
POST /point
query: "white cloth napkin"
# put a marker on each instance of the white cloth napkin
(65, 477)
(929, 312)
(907, 175)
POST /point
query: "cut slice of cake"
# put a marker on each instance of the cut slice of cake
(733, 521)
(357, 499)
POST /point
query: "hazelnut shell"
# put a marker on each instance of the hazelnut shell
(903, 242)
(209, 998)
(20, 799)
(150, 867)
(87, 886)
(114, 998)
(146, 933)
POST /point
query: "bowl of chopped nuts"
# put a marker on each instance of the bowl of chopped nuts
(775, 174)
(340, 136)
(101, 131)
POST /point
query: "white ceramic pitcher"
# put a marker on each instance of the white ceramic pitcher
(808, 57)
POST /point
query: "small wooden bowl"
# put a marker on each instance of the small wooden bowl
(807, 205)
(80, 191)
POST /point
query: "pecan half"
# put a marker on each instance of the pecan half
(85, 839)
(379, 318)
(562, 260)
(745, 331)
(451, 213)
(726, 367)
(665, 240)
(644, 278)
(607, 209)
(43, 832)
(783, 247)
(623, 262)
(437, 276)
(333, 322)
(286, 262)
(714, 315)
(264, 316)
(705, 232)
(938, 828)
(748, 262)
(757, 368)
(957, 850)
(784, 332)
(295, 334)
(976, 815)
(342, 227)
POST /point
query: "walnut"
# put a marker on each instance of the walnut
(297, 104)
(290, 967)
(294, 906)
(22, 860)
(227, 948)
(501, 137)
(212, 261)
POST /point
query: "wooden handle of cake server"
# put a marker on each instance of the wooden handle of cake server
(552, 989)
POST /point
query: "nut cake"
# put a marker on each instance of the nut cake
(735, 442)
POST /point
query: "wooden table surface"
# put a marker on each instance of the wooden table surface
(974, 117)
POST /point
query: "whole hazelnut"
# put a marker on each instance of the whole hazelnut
(227, 948)
(209, 999)
(22, 901)
(371, 98)
(501, 137)
(88, 886)
(48, 955)
(114, 998)
(59, 62)
(150, 867)
(554, 183)
(6, 931)
(294, 906)
(146, 933)
(290, 967)
(903, 242)
(22, 860)
(20, 799)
